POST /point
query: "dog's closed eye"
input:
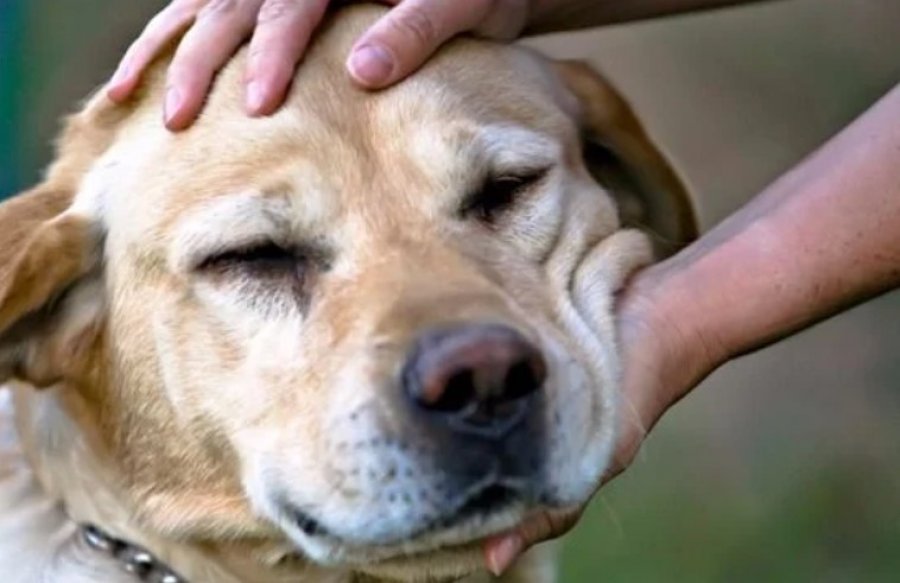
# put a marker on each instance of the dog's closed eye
(268, 277)
(264, 260)
(498, 193)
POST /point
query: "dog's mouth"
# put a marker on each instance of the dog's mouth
(480, 505)
(492, 498)
(477, 507)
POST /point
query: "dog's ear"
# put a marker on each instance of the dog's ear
(51, 293)
(47, 252)
(622, 157)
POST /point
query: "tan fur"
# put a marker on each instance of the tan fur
(179, 401)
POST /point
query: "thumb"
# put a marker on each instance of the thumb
(402, 40)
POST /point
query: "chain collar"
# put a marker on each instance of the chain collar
(133, 559)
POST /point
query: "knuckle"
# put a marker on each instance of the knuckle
(272, 10)
(196, 69)
(506, 6)
(156, 27)
(185, 10)
(549, 528)
(218, 8)
(256, 51)
(189, 67)
(550, 525)
(417, 24)
(539, 528)
(503, 19)
(190, 5)
(177, 74)
(263, 61)
(562, 523)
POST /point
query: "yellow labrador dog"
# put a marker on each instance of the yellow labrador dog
(343, 343)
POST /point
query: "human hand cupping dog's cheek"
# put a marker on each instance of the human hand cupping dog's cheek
(596, 282)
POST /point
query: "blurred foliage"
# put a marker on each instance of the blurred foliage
(830, 523)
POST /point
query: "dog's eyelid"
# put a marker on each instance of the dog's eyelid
(499, 190)
(268, 254)
(261, 250)
(190, 257)
(531, 173)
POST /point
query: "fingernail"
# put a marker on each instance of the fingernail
(256, 96)
(172, 104)
(504, 554)
(371, 64)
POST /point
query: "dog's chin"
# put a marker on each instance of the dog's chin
(450, 550)
(442, 563)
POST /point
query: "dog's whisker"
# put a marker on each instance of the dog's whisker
(612, 514)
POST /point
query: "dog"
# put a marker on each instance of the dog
(346, 342)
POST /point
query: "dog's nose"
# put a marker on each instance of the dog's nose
(476, 378)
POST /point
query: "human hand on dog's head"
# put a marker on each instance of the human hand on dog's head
(208, 32)
(664, 358)
(394, 47)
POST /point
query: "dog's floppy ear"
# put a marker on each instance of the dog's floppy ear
(52, 300)
(46, 251)
(622, 157)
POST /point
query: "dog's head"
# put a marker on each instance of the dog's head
(379, 324)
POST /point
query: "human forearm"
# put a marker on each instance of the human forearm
(824, 237)
(561, 15)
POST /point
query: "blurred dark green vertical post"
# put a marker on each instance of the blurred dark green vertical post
(10, 26)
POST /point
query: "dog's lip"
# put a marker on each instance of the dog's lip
(491, 498)
(306, 523)
(480, 502)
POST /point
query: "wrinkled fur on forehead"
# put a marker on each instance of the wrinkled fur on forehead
(348, 120)
(541, 95)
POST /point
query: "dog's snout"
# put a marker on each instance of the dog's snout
(478, 377)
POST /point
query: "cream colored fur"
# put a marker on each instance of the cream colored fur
(177, 406)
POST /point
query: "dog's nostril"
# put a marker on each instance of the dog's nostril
(524, 378)
(481, 374)
(458, 393)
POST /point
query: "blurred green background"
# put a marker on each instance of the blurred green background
(785, 465)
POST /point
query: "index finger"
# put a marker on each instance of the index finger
(162, 28)
(283, 30)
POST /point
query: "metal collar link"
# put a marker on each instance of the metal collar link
(134, 559)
